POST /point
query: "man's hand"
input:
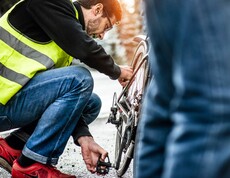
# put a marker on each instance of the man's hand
(126, 74)
(91, 152)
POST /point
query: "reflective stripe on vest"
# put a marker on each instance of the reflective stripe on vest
(21, 58)
(25, 50)
(12, 75)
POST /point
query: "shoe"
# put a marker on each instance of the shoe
(7, 155)
(37, 170)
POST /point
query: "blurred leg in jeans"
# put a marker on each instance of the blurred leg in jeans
(184, 130)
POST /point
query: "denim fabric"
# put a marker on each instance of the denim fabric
(56, 99)
(89, 114)
(92, 109)
(184, 131)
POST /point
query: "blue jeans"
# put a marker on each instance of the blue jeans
(184, 131)
(56, 100)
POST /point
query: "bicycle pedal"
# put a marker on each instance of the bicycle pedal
(103, 166)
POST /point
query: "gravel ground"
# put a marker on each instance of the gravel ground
(104, 134)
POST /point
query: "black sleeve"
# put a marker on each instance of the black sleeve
(58, 20)
(81, 129)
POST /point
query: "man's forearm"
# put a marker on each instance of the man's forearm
(80, 130)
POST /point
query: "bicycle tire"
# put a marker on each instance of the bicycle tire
(124, 158)
(118, 145)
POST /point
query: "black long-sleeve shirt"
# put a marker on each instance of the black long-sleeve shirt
(46, 20)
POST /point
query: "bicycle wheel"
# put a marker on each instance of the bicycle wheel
(126, 131)
(139, 64)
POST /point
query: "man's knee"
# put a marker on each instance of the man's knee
(83, 76)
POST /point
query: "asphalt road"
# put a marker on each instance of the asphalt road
(71, 161)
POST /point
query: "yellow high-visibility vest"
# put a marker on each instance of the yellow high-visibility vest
(21, 58)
